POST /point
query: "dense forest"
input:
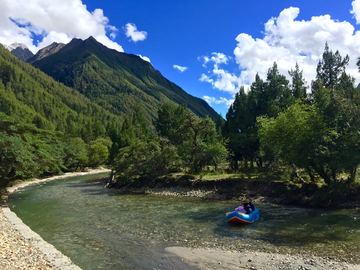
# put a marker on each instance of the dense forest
(182, 142)
(315, 136)
(308, 135)
(46, 127)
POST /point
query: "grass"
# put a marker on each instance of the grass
(250, 174)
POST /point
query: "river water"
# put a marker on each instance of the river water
(99, 228)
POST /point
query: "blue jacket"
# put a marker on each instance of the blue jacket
(249, 207)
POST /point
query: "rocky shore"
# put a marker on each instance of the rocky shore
(16, 252)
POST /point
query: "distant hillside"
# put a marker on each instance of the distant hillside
(116, 81)
(29, 94)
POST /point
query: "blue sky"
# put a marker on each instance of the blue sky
(217, 45)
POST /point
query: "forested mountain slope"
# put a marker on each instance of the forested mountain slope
(116, 81)
(29, 94)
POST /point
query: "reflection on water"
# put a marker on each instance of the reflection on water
(99, 228)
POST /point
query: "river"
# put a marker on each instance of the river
(99, 228)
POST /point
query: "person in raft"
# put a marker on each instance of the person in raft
(246, 208)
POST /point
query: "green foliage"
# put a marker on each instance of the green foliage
(76, 154)
(31, 95)
(98, 152)
(296, 136)
(184, 140)
(330, 67)
(203, 146)
(26, 151)
(298, 83)
(322, 138)
(318, 134)
(264, 98)
(144, 161)
(61, 128)
(170, 121)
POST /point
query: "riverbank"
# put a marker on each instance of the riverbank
(35, 181)
(17, 252)
(234, 189)
(20, 247)
(223, 259)
(217, 258)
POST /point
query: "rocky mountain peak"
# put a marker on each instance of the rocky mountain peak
(15, 45)
(20, 50)
(47, 51)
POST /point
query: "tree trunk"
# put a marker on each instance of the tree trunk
(352, 176)
(235, 164)
(324, 176)
(321, 172)
(310, 174)
(196, 167)
(296, 172)
(260, 163)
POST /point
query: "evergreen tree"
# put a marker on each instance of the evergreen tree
(298, 85)
(277, 95)
(170, 121)
(330, 67)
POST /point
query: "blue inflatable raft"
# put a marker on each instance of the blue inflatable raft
(239, 217)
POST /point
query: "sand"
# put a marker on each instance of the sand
(229, 260)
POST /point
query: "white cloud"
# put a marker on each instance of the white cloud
(132, 32)
(205, 78)
(216, 58)
(180, 68)
(221, 100)
(356, 10)
(288, 41)
(147, 59)
(224, 80)
(54, 21)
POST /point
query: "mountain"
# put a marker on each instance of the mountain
(45, 52)
(28, 94)
(20, 50)
(116, 81)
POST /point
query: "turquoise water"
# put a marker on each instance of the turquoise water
(99, 228)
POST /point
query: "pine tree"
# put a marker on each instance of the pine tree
(298, 85)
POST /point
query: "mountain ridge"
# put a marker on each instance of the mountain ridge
(116, 80)
(44, 52)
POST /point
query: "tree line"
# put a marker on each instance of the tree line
(279, 126)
